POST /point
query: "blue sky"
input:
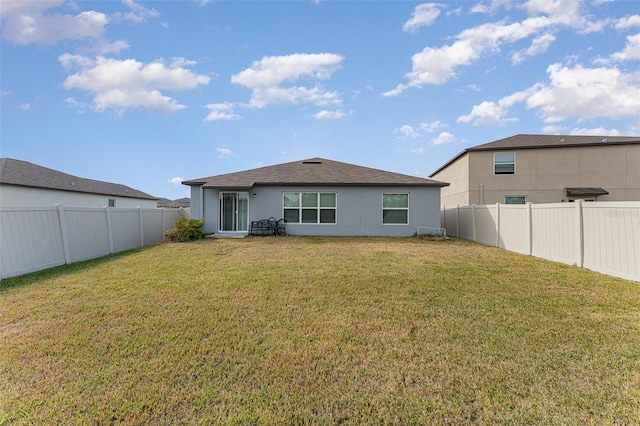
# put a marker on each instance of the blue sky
(151, 93)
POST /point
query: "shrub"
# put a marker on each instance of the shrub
(185, 230)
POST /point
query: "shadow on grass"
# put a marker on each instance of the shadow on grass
(62, 270)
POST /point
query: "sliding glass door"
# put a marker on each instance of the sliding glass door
(234, 211)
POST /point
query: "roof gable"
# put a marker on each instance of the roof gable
(312, 172)
(23, 173)
(545, 141)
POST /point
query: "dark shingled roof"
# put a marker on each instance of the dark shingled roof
(180, 202)
(314, 171)
(545, 141)
(23, 173)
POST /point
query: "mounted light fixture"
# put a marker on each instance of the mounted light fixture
(254, 195)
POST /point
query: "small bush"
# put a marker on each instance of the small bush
(185, 230)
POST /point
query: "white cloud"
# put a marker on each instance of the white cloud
(432, 127)
(443, 138)
(631, 50)
(224, 152)
(223, 111)
(123, 84)
(137, 14)
(587, 93)
(267, 76)
(176, 181)
(485, 113)
(423, 15)
(628, 22)
(436, 65)
(407, 131)
(417, 151)
(329, 115)
(538, 45)
(25, 107)
(25, 22)
(583, 93)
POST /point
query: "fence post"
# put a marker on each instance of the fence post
(497, 224)
(473, 222)
(107, 212)
(141, 222)
(457, 221)
(529, 230)
(63, 231)
(579, 234)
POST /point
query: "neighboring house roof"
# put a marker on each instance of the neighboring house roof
(180, 202)
(314, 171)
(545, 141)
(23, 173)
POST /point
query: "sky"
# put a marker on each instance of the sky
(151, 93)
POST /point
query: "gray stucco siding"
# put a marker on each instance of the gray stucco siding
(358, 213)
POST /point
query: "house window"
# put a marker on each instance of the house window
(504, 163)
(112, 202)
(395, 209)
(309, 207)
(515, 199)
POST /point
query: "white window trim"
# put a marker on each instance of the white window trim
(318, 208)
(397, 208)
(514, 163)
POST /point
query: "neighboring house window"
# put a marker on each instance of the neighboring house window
(504, 163)
(395, 209)
(112, 202)
(309, 207)
(515, 199)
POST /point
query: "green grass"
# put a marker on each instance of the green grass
(299, 330)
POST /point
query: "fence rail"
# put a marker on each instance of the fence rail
(37, 238)
(602, 236)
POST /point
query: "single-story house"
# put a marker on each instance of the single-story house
(544, 169)
(26, 184)
(317, 197)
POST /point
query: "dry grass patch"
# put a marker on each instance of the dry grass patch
(319, 330)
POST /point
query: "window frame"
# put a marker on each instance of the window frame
(111, 202)
(495, 173)
(318, 208)
(395, 208)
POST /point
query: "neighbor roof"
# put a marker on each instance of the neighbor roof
(180, 202)
(545, 141)
(314, 171)
(23, 173)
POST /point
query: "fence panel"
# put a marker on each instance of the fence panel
(30, 239)
(41, 237)
(87, 233)
(125, 225)
(465, 222)
(485, 224)
(513, 228)
(603, 236)
(612, 239)
(553, 232)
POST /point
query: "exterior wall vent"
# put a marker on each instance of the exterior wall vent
(312, 162)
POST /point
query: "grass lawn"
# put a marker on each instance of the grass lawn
(295, 330)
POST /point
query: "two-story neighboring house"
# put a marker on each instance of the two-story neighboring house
(27, 184)
(544, 169)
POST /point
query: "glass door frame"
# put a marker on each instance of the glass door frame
(239, 220)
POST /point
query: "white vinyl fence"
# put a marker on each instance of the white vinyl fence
(602, 236)
(36, 238)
